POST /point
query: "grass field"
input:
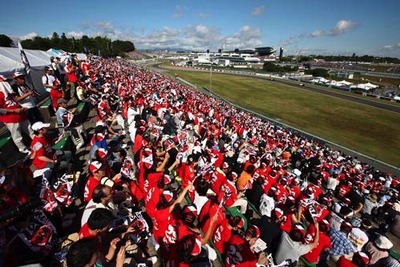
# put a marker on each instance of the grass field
(371, 131)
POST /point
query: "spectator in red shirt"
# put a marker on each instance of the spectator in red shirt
(42, 153)
(164, 224)
(323, 245)
(99, 221)
(97, 169)
(72, 79)
(240, 251)
(13, 116)
(224, 232)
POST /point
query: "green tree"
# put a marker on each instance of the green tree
(5, 41)
(55, 40)
(122, 46)
(65, 43)
(318, 72)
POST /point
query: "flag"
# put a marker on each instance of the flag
(25, 61)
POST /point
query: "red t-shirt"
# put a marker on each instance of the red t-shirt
(221, 237)
(71, 74)
(84, 232)
(151, 181)
(54, 96)
(42, 148)
(163, 221)
(10, 104)
(216, 181)
(227, 193)
(324, 242)
(151, 200)
(239, 254)
(90, 186)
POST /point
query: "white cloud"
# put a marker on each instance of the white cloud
(257, 11)
(76, 35)
(27, 36)
(317, 33)
(343, 26)
(391, 47)
(178, 12)
(247, 37)
(192, 37)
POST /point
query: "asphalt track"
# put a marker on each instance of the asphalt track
(364, 100)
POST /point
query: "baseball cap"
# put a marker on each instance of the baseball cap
(95, 166)
(190, 209)
(17, 74)
(101, 152)
(238, 222)
(253, 231)
(168, 195)
(297, 232)
(39, 125)
(167, 179)
(107, 181)
(382, 242)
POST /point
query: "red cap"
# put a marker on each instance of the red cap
(168, 195)
(102, 152)
(253, 231)
(95, 166)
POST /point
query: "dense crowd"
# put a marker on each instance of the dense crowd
(176, 177)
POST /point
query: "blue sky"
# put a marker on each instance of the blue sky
(329, 27)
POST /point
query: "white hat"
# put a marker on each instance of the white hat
(17, 74)
(383, 242)
(107, 181)
(39, 125)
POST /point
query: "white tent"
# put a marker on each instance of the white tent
(343, 83)
(62, 54)
(365, 86)
(10, 62)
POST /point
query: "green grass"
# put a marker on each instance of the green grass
(371, 131)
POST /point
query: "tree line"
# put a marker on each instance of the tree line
(95, 45)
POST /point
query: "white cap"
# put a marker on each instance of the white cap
(39, 125)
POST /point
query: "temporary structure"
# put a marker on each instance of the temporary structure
(365, 86)
(10, 62)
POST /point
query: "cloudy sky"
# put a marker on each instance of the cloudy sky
(329, 27)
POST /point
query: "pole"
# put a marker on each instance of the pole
(211, 78)
(25, 61)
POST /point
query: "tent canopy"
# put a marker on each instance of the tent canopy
(10, 59)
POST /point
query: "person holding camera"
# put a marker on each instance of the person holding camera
(42, 153)
(25, 96)
(13, 116)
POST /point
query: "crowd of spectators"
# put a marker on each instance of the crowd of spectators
(176, 177)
